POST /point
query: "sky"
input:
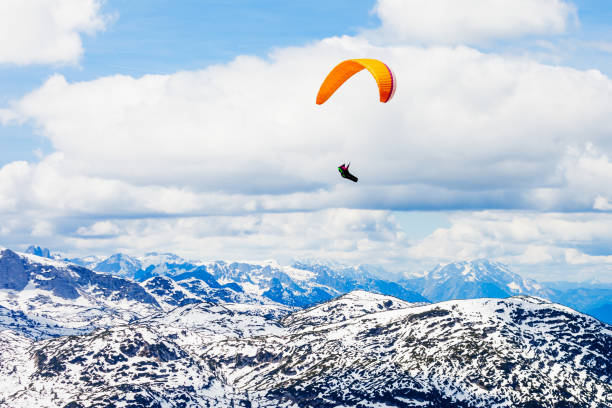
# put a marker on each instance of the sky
(190, 126)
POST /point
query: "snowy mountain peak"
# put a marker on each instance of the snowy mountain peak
(120, 264)
(351, 305)
(475, 279)
(32, 258)
(476, 269)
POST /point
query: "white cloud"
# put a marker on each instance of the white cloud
(42, 229)
(469, 21)
(531, 242)
(99, 229)
(465, 130)
(54, 188)
(351, 235)
(590, 172)
(535, 254)
(602, 203)
(573, 256)
(46, 31)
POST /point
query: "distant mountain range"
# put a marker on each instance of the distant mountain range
(297, 285)
(487, 279)
(309, 282)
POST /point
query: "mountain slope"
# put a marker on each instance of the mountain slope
(515, 352)
(43, 297)
(120, 265)
(152, 363)
(352, 305)
(475, 279)
(509, 352)
(168, 293)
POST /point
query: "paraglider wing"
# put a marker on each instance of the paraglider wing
(346, 69)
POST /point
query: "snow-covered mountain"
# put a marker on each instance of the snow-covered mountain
(44, 297)
(345, 279)
(360, 350)
(484, 278)
(305, 283)
(120, 265)
(88, 262)
(474, 279)
(301, 284)
(144, 267)
(352, 305)
(168, 293)
(188, 289)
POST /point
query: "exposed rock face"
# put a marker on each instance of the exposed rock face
(38, 251)
(14, 271)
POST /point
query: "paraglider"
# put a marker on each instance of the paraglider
(343, 71)
(344, 172)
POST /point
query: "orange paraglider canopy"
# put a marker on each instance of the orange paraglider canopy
(346, 69)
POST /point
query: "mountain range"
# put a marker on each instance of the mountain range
(219, 334)
(309, 282)
(301, 284)
(359, 350)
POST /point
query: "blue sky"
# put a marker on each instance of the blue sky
(496, 145)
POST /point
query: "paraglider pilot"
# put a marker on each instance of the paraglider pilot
(344, 172)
